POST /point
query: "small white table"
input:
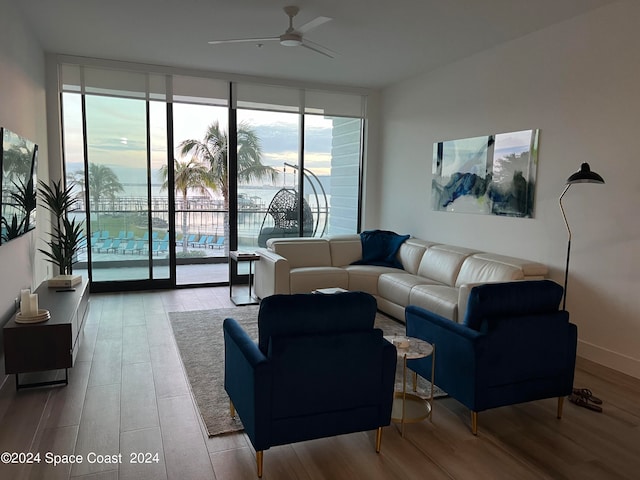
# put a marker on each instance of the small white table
(410, 407)
(237, 257)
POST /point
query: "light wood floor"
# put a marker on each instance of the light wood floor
(128, 393)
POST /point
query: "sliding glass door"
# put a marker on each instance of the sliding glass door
(201, 203)
(126, 208)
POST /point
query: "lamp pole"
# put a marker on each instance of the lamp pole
(566, 268)
(584, 175)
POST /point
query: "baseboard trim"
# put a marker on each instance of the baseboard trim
(608, 358)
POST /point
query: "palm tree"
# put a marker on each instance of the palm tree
(103, 184)
(188, 174)
(213, 151)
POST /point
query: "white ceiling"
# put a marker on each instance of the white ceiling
(378, 41)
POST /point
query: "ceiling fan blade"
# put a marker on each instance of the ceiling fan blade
(243, 40)
(318, 49)
(316, 22)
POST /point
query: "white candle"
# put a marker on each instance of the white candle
(24, 301)
(33, 304)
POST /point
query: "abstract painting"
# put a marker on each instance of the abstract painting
(493, 174)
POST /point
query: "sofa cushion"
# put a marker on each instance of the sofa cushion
(303, 252)
(478, 270)
(308, 279)
(531, 270)
(442, 263)
(364, 278)
(345, 249)
(440, 299)
(410, 254)
(379, 247)
(396, 287)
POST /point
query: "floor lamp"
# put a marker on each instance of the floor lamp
(584, 175)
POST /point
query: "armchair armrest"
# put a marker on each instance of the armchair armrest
(247, 380)
(458, 349)
(272, 274)
(422, 323)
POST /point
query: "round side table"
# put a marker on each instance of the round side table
(410, 407)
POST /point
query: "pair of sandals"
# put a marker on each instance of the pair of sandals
(584, 398)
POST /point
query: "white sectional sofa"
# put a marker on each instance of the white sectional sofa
(434, 276)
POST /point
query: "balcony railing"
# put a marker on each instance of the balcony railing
(199, 223)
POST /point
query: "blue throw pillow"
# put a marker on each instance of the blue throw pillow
(379, 247)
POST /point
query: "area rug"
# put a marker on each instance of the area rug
(200, 342)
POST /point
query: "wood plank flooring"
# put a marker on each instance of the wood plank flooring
(128, 394)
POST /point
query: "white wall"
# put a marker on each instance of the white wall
(22, 110)
(579, 82)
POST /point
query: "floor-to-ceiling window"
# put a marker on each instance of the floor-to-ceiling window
(268, 163)
(115, 143)
(118, 182)
(200, 136)
(311, 142)
(168, 185)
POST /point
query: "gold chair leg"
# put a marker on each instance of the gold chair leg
(474, 422)
(378, 439)
(259, 455)
(232, 409)
(560, 404)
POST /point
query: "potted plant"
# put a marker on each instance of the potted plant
(65, 236)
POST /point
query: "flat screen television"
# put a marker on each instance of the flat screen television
(18, 183)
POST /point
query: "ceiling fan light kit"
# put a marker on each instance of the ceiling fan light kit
(291, 40)
(292, 37)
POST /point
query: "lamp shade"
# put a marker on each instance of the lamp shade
(585, 175)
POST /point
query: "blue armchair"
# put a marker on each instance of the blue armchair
(513, 346)
(319, 369)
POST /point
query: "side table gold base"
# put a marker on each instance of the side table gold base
(416, 408)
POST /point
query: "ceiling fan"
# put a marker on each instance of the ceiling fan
(292, 37)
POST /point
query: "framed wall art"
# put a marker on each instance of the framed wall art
(493, 174)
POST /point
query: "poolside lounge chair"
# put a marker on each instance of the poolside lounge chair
(115, 245)
(106, 245)
(129, 247)
(218, 243)
(160, 247)
(139, 247)
(202, 241)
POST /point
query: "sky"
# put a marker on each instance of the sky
(117, 133)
